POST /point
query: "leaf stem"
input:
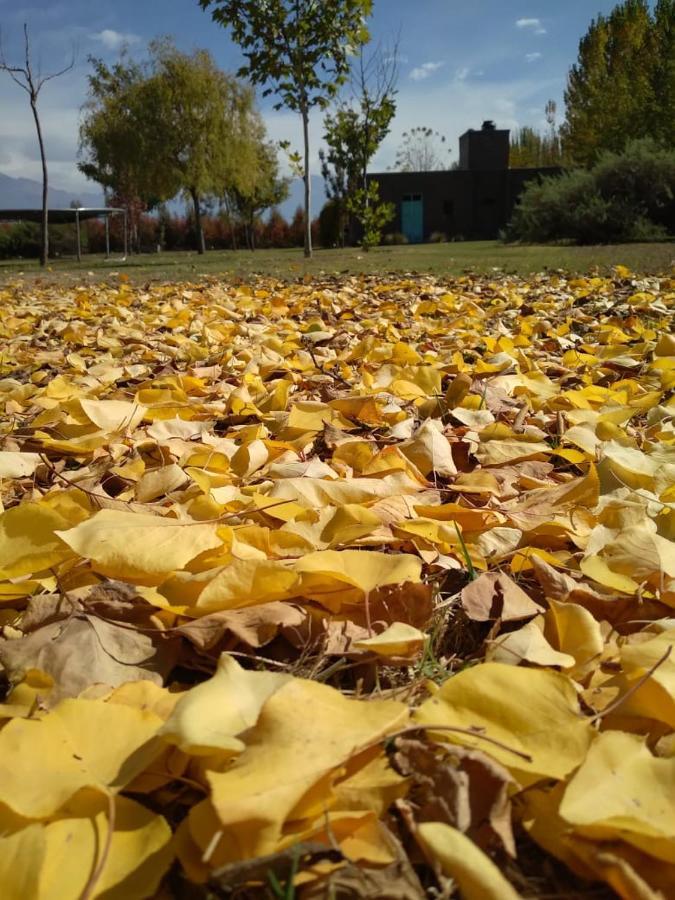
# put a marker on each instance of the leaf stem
(90, 886)
(636, 687)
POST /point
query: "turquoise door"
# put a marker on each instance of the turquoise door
(412, 218)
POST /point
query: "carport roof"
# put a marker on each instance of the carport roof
(58, 216)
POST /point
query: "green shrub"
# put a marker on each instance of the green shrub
(640, 182)
(624, 197)
(19, 240)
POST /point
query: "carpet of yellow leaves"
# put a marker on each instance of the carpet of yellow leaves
(352, 587)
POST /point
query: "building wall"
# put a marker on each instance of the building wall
(462, 204)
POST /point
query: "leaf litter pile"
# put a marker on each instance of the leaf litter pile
(342, 588)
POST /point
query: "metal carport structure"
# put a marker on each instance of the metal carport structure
(66, 216)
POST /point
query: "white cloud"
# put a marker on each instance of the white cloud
(534, 24)
(425, 70)
(113, 40)
(532, 57)
(462, 74)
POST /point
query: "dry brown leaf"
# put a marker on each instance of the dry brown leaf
(464, 788)
(83, 650)
(251, 627)
(493, 596)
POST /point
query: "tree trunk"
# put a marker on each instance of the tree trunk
(308, 184)
(201, 246)
(231, 222)
(44, 248)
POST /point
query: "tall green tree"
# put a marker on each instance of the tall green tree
(618, 88)
(175, 123)
(663, 112)
(202, 123)
(300, 49)
(112, 150)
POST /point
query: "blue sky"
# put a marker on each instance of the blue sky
(461, 63)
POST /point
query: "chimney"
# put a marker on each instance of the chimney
(486, 150)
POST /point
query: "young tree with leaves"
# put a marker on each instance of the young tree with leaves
(32, 83)
(339, 168)
(354, 133)
(372, 215)
(301, 49)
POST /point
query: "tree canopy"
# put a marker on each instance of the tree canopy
(299, 49)
(111, 149)
(623, 83)
(175, 123)
(203, 124)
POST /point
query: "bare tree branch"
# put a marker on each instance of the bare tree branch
(58, 74)
(32, 85)
(13, 71)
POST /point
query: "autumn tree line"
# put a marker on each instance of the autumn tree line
(620, 89)
(175, 124)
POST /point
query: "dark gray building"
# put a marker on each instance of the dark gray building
(472, 202)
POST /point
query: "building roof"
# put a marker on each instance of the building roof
(58, 216)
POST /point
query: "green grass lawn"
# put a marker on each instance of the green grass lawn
(438, 259)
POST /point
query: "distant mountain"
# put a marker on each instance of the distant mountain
(24, 193)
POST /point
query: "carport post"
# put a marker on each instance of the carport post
(79, 236)
(125, 234)
(107, 236)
